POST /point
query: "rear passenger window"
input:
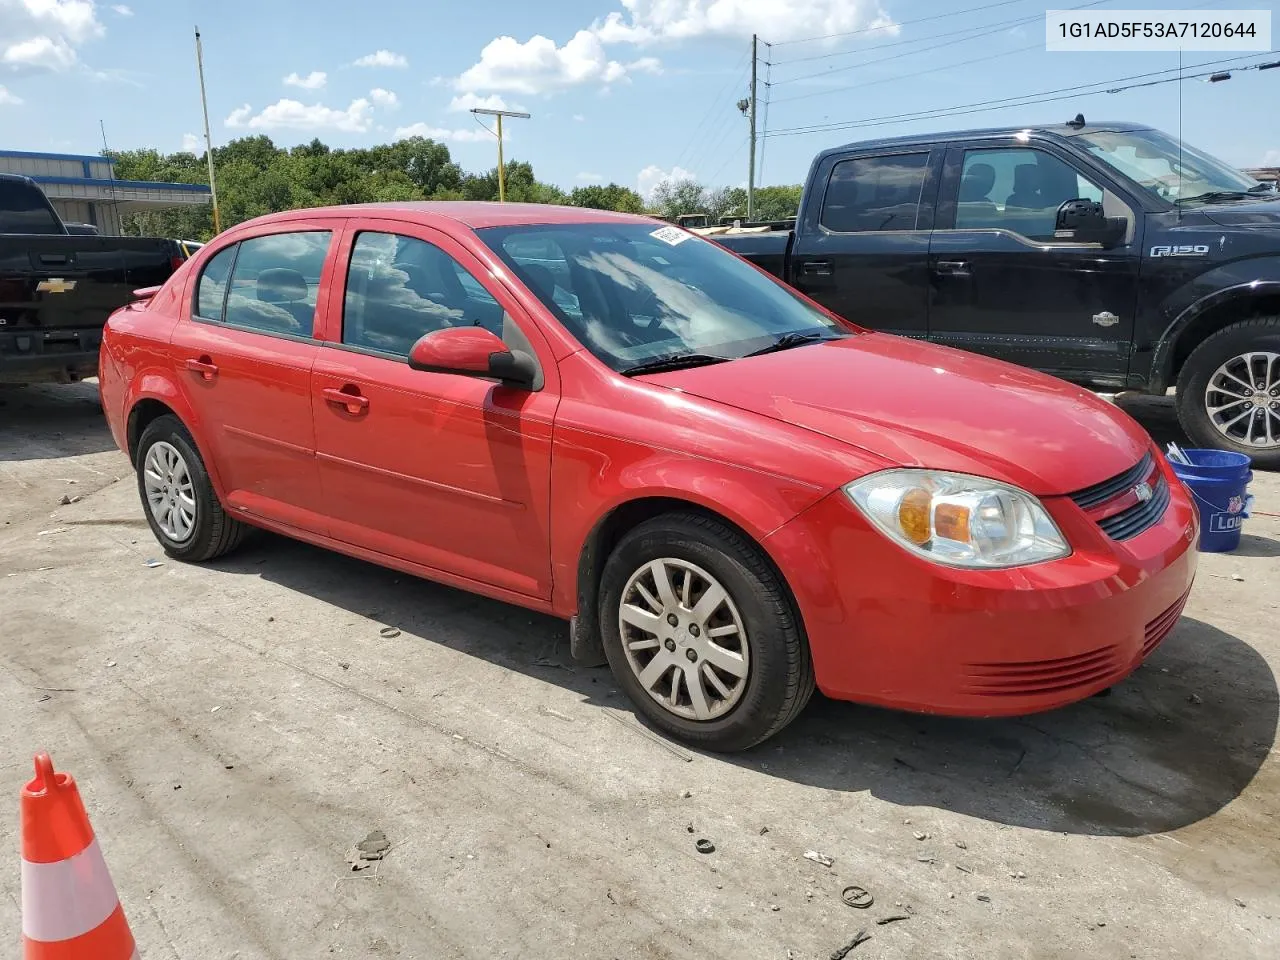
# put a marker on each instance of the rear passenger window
(400, 288)
(874, 193)
(275, 281)
(212, 290)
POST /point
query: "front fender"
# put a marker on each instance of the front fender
(1237, 281)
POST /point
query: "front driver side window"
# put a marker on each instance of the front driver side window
(1017, 189)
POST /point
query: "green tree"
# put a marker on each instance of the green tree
(671, 198)
(777, 203)
(612, 196)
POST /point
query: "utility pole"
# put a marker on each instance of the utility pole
(751, 162)
(208, 140)
(502, 173)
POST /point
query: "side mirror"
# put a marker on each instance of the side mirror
(472, 352)
(1084, 222)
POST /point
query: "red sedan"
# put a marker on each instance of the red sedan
(731, 493)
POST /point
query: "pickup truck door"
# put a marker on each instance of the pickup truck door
(1001, 285)
(862, 246)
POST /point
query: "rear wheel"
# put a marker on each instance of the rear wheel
(1229, 391)
(701, 633)
(178, 498)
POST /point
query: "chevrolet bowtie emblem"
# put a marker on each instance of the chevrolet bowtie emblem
(55, 285)
(1143, 492)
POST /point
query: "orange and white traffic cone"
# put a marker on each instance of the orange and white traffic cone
(70, 910)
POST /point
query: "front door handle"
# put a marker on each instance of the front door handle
(951, 268)
(348, 396)
(204, 366)
(816, 268)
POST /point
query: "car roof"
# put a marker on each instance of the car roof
(988, 133)
(475, 214)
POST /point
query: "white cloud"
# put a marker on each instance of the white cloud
(539, 66)
(649, 178)
(579, 117)
(650, 21)
(286, 114)
(122, 10)
(464, 135)
(42, 52)
(645, 65)
(382, 58)
(384, 98)
(589, 178)
(312, 81)
(191, 144)
(45, 34)
(1269, 159)
(468, 101)
(12, 99)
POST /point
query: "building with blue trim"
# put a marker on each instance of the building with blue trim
(83, 188)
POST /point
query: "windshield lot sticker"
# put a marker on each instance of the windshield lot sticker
(673, 236)
(1183, 250)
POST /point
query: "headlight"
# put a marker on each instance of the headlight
(959, 520)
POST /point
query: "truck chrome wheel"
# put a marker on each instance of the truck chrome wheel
(684, 639)
(171, 494)
(1242, 399)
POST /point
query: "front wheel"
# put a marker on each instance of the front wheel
(701, 634)
(1229, 391)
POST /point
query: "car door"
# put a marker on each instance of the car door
(863, 248)
(244, 354)
(448, 471)
(1001, 284)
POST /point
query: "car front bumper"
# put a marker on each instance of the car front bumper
(886, 627)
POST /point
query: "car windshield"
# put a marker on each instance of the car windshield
(1154, 160)
(637, 294)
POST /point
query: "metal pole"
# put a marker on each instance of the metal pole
(751, 162)
(208, 140)
(502, 174)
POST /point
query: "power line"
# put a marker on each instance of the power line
(902, 23)
(734, 79)
(1044, 96)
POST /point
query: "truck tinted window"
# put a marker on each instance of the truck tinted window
(23, 209)
(212, 289)
(275, 281)
(874, 193)
(1017, 189)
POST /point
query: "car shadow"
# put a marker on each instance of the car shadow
(47, 421)
(1157, 415)
(1170, 746)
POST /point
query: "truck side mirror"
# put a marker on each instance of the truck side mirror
(1084, 221)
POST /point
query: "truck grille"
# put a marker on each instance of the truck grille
(1114, 504)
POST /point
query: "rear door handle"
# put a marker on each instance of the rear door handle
(204, 366)
(951, 268)
(348, 396)
(816, 268)
(55, 258)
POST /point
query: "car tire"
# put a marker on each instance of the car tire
(1220, 362)
(186, 489)
(696, 552)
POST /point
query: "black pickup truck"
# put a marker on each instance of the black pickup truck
(1104, 253)
(57, 287)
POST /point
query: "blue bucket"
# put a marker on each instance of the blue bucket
(1219, 481)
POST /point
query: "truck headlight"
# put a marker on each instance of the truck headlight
(959, 520)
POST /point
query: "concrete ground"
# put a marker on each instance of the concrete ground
(237, 728)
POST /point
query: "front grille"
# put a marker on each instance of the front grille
(1100, 493)
(1021, 678)
(1160, 627)
(1100, 500)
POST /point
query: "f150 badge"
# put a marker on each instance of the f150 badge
(55, 285)
(1181, 250)
(1106, 319)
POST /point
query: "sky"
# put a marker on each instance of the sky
(629, 91)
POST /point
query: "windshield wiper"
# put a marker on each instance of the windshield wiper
(1218, 196)
(789, 340)
(672, 361)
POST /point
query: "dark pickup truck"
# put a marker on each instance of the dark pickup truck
(1106, 254)
(57, 288)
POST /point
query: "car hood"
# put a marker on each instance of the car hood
(920, 405)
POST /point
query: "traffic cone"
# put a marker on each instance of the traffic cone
(70, 910)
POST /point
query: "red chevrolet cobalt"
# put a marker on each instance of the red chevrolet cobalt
(731, 493)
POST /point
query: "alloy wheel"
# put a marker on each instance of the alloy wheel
(1243, 399)
(684, 639)
(171, 494)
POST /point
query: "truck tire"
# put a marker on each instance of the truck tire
(178, 498)
(1229, 391)
(744, 649)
